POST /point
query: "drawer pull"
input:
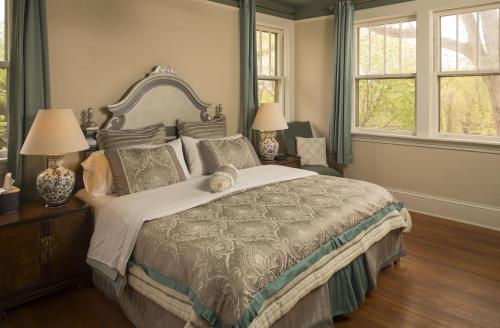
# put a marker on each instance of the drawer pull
(46, 249)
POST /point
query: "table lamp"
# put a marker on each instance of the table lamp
(55, 132)
(268, 120)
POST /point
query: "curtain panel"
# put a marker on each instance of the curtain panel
(28, 87)
(340, 140)
(249, 98)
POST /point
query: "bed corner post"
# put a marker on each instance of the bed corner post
(89, 128)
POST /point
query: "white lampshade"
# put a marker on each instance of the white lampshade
(270, 118)
(54, 132)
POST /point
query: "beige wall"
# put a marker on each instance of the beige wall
(313, 72)
(457, 174)
(99, 48)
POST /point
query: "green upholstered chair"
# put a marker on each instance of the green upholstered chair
(304, 130)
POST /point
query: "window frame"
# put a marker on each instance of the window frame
(391, 76)
(438, 74)
(279, 78)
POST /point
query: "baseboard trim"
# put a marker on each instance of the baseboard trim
(481, 215)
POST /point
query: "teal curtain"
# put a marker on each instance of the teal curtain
(340, 124)
(28, 87)
(249, 93)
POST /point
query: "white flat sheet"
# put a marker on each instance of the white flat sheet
(118, 220)
(94, 201)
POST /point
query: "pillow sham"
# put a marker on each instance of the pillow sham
(202, 130)
(238, 152)
(97, 176)
(224, 178)
(140, 169)
(155, 134)
(312, 151)
(193, 157)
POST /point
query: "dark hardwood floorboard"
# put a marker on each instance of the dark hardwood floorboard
(449, 278)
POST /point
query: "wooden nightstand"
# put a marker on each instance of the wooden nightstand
(42, 250)
(290, 161)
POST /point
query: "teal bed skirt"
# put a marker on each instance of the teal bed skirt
(348, 286)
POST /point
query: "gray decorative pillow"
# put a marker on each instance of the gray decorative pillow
(202, 130)
(139, 169)
(150, 135)
(312, 151)
(224, 178)
(238, 152)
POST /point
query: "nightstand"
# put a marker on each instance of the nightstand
(290, 161)
(42, 250)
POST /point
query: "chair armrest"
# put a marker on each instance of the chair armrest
(332, 162)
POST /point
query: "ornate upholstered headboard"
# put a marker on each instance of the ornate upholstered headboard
(162, 96)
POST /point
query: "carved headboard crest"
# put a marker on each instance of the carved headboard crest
(161, 96)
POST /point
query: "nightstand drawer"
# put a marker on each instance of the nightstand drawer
(20, 254)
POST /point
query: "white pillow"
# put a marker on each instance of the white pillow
(177, 145)
(97, 176)
(191, 147)
(312, 151)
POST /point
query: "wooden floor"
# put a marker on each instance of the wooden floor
(449, 278)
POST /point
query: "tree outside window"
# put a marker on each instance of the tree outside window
(4, 64)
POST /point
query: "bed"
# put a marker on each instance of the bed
(283, 247)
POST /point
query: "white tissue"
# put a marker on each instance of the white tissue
(8, 183)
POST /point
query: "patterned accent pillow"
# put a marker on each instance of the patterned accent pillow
(202, 130)
(139, 169)
(193, 157)
(155, 134)
(224, 178)
(238, 152)
(312, 151)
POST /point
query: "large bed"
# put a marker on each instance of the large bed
(283, 247)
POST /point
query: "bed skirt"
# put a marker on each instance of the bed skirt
(344, 291)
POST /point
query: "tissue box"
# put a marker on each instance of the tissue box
(9, 200)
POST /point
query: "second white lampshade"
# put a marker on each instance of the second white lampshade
(270, 118)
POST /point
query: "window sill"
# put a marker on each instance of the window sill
(490, 147)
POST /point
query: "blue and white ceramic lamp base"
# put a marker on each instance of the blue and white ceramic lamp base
(56, 183)
(268, 147)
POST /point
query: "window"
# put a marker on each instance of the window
(270, 64)
(385, 76)
(4, 64)
(469, 72)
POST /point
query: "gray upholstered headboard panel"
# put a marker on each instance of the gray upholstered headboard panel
(162, 96)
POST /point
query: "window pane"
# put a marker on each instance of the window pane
(387, 49)
(488, 39)
(265, 70)
(273, 65)
(392, 55)
(467, 41)
(409, 47)
(3, 113)
(267, 91)
(449, 43)
(364, 51)
(377, 49)
(469, 105)
(258, 38)
(386, 104)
